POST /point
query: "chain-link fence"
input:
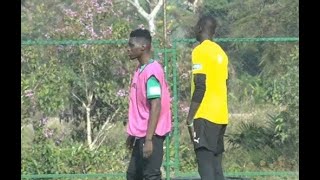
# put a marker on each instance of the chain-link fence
(74, 103)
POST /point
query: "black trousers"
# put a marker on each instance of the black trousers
(209, 147)
(209, 164)
(146, 169)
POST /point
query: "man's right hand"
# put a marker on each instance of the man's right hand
(191, 132)
(129, 142)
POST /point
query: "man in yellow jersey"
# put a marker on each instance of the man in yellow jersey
(208, 114)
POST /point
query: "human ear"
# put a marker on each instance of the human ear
(143, 47)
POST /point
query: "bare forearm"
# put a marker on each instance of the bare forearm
(153, 118)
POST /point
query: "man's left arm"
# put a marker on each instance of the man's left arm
(154, 98)
(197, 97)
(198, 94)
(153, 117)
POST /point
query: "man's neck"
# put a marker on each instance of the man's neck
(144, 59)
(205, 37)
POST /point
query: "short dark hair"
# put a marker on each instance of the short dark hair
(208, 23)
(142, 33)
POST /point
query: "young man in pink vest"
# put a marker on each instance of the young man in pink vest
(149, 111)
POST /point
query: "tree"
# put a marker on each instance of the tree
(91, 77)
(150, 15)
(92, 74)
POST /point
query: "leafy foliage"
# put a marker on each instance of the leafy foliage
(281, 133)
(57, 80)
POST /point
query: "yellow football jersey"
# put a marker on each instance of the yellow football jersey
(210, 59)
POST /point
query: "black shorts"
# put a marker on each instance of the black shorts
(209, 135)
